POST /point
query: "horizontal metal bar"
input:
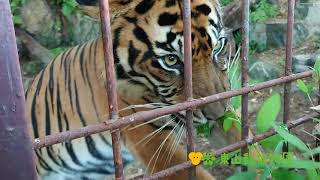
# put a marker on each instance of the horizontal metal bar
(148, 115)
(170, 171)
(182, 166)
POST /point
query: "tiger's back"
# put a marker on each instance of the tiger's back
(54, 106)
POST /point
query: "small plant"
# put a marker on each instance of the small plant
(264, 168)
(225, 2)
(308, 88)
(262, 11)
(256, 47)
(67, 6)
(15, 6)
(204, 130)
(58, 50)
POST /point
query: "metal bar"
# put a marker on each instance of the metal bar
(111, 85)
(16, 153)
(188, 79)
(244, 73)
(170, 171)
(148, 115)
(288, 66)
(174, 169)
(317, 156)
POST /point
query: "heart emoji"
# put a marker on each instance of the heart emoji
(195, 157)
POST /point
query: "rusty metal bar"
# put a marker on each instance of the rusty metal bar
(188, 79)
(170, 171)
(317, 156)
(288, 66)
(111, 85)
(244, 143)
(244, 73)
(148, 115)
(16, 154)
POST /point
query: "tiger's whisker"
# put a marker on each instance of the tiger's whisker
(158, 151)
(148, 122)
(229, 58)
(175, 144)
(235, 59)
(154, 132)
(154, 135)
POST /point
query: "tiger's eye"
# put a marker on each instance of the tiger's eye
(171, 60)
(218, 47)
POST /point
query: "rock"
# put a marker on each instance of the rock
(263, 71)
(303, 62)
(84, 28)
(40, 21)
(34, 50)
(301, 11)
(51, 30)
(258, 34)
(276, 32)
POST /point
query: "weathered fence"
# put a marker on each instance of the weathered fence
(14, 143)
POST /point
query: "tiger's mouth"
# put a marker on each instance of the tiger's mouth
(199, 117)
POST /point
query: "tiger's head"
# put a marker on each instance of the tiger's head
(148, 49)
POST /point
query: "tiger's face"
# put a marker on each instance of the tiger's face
(148, 49)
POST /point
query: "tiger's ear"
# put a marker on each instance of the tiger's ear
(116, 7)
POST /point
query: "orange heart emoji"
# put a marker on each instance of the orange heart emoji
(195, 157)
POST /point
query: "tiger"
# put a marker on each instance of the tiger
(69, 93)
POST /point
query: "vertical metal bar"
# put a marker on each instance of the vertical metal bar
(188, 78)
(288, 66)
(16, 152)
(244, 73)
(111, 84)
(317, 156)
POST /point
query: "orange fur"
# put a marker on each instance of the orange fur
(70, 92)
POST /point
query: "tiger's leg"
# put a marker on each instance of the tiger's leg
(155, 153)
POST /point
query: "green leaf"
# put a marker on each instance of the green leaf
(271, 142)
(267, 171)
(282, 174)
(236, 102)
(66, 10)
(238, 124)
(243, 176)
(227, 124)
(204, 130)
(316, 66)
(17, 20)
(278, 149)
(294, 140)
(302, 164)
(268, 113)
(312, 151)
(310, 87)
(302, 86)
(312, 174)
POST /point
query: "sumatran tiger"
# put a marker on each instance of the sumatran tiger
(70, 92)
